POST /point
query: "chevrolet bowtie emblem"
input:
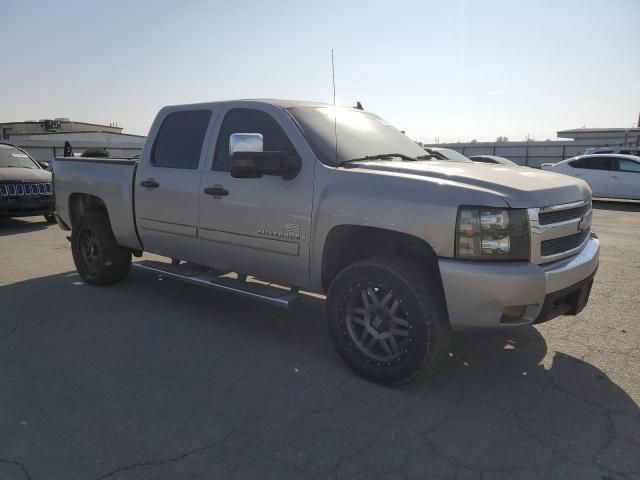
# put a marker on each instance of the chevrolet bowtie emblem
(584, 224)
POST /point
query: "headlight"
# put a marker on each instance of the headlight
(486, 233)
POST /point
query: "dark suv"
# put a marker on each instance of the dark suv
(25, 187)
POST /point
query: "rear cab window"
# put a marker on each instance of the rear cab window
(179, 140)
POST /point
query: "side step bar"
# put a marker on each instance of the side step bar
(187, 272)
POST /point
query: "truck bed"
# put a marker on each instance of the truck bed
(109, 179)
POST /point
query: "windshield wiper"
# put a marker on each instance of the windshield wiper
(382, 156)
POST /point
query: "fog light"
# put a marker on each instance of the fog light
(510, 314)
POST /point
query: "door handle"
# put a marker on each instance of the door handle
(217, 191)
(151, 183)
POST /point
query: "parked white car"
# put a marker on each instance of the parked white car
(614, 176)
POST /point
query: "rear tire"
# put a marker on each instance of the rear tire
(387, 320)
(98, 257)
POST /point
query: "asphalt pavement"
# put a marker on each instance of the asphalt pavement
(156, 379)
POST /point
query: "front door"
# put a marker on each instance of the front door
(595, 171)
(167, 185)
(259, 226)
(624, 181)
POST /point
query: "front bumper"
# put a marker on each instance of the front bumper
(26, 206)
(478, 292)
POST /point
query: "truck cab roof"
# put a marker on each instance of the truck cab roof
(276, 102)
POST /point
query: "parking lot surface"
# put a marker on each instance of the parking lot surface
(155, 379)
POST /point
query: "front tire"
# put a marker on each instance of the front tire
(387, 320)
(98, 257)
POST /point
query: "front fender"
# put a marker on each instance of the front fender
(416, 206)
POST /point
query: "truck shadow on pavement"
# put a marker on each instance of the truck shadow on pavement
(14, 226)
(617, 205)
(157, 379)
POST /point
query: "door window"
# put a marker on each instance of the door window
(180, 138)
(246, 120)
(625, 165)
(593, 163)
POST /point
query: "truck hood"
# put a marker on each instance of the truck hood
(520, 187)
(25, 175)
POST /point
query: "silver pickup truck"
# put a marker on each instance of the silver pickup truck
(265, 198)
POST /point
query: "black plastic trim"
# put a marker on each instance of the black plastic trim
(568, 301)
(133, 205)
(115, 161)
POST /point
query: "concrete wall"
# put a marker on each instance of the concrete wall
(531, 153)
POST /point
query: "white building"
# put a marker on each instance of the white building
(44, 139)
(604, 137)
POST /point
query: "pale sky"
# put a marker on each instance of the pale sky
(453, 70)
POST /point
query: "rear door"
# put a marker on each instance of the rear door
(625, 179)
(260, 226)
(167, 184)
(595, 171)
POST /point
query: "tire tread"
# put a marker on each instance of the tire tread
(118, 258)
(425, 287)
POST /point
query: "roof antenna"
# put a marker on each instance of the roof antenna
(335, 113)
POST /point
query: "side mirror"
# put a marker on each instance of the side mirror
(44, 165)
(245, 142)
(257, 164)
(249, 160)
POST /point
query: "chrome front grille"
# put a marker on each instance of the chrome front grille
(25, 189)
(559, 231)
(557, 216)
(562, 244)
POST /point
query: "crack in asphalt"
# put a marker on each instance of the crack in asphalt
(177, 458)
(343, 398)
(20, 465)
(564, 459)
(11, 332)
(612, 434)
(23, 323)
(626, 353)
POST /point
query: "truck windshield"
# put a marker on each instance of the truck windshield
(359, 134)
(11, 157)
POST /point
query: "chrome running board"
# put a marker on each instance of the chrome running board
(187, 272)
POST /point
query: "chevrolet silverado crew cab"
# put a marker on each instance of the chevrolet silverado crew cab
(25, 187)
(265, 198)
